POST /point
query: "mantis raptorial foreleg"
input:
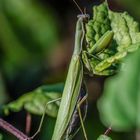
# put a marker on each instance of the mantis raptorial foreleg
(91, 63)
(102, 43)
(43, 117)
(90, 57)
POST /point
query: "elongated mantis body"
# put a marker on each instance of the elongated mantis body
(74, 80)
(72, 85)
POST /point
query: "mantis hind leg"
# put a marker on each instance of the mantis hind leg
(43, 117)
(80, 115)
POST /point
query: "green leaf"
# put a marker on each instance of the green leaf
(120, 104)
(31, 28)
(99, 25)
(35, 101)
(104, 137)
(105, 52)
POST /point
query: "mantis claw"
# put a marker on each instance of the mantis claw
(102, 43)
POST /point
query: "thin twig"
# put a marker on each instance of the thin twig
(108, 131)
(14, 131)
(28, 123)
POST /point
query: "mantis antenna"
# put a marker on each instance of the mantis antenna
(80, 9)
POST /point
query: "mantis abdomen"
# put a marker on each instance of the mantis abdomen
(75, 122)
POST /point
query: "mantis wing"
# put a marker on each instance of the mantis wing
(72, 86)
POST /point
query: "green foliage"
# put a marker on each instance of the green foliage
(28, 30)
(1, 137)
(120, 104)
(104, 137)
(30, 17)
(110, 36)
(36, 100)
(99, 25)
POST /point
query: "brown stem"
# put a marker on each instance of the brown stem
(28, 123)
(14, 131)
(108, 131)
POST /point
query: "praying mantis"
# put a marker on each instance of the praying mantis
(75, 78)
(72, 85)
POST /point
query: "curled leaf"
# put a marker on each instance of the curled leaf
(110, 37)
(35, 101)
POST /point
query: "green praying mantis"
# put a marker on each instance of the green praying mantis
(75, 77)
(72, 85)
(101, 58)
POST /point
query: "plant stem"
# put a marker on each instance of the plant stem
(28, 123)
(14, 131)
(108, 131)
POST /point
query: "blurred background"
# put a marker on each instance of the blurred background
(36, 43)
